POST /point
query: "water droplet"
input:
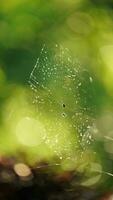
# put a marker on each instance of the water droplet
(91, 79)
(79, 84)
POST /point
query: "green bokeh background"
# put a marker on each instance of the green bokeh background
(83, 26)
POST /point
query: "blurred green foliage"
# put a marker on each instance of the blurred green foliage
(83, 26)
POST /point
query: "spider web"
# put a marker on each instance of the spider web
(59, 83)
